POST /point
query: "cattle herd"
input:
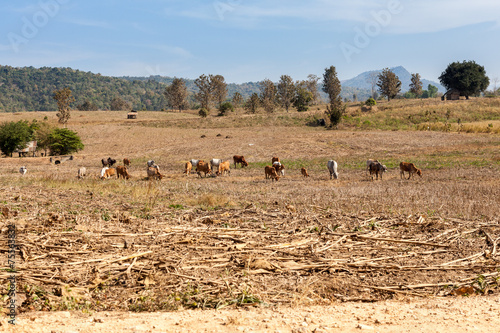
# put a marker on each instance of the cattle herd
(218, 167)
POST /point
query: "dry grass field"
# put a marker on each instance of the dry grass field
(239, 240)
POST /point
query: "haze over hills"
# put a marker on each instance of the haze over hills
(31, 89)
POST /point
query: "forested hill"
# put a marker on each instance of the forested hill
(31, 89)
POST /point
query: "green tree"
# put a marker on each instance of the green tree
(64, 99)
(388, 84)
(331, 86)
(285, 91)
(14, 135)
(416, 85)
(303, 97)
(268, 95)
(42, 135)
(432, 90)
(64, 141)
(176, 94)
(467, 77)
(252, 103)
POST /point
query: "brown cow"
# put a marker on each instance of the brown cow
(122, 171)
(224, 168)
(271, 173)
(239, 159)
(275, 159)
(280, 168)
(410, 168)
(126, 162)
(203, 167)
(108, 172)
(187, 168)
(154, 172)
(304, 172)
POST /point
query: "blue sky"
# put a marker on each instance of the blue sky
(247, 40)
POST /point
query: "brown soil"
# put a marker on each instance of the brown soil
(341, 250)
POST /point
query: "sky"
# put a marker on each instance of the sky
(247, 40)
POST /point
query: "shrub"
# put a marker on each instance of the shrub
(370, 102)
(203, 112)
(225, 107)
(64, 141)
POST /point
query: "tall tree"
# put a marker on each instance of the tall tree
(176, 94)
(416, 85)
(312, 86)
(303, 97)
(467, 77)
(268, 95)
(219, 89)
(286, 91)
(331, 86)
(204, 94)
(237, 99)
(63, 98)
(432, 90)
(252, 103)
(388, 84)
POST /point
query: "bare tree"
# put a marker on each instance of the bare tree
(176, 94)
(118, 104)
(372, 80)
(219, 88)
(64, 99)
(286, 91)
(495, 82)
(268, 95)
(416, 85)
(252, 103)
(388, 84)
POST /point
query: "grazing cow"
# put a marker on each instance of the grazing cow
(203, 167)
(410, 168)
(270, 172)
(239, 159)
(121, 170)
(377, 168)
(224, 168)
(187, 168)
(214, 163)
(194, 163)
(368, 163)
(154, 172)
(23, 170)
(108, 162)
(108, 172)
(126, 162)
(332, 167)
(82, 172)
(280, 168)
(275, 159)
(151, 163)
(304, 172)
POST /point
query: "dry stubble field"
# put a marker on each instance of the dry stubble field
(242, 241)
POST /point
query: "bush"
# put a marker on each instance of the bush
(335, 113)
(64, 141)
(370, 102)
(225, 107)
(203, 113)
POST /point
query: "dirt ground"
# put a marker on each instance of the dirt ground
(464, 314)
(300, 254)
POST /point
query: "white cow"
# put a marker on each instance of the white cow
(194, 163)
(23, 170)
(332, 167)
(82, 172)
(214, 164)
(280, 168)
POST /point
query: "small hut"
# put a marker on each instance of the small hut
(132, 115)
(30, 150)
(451, 95)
